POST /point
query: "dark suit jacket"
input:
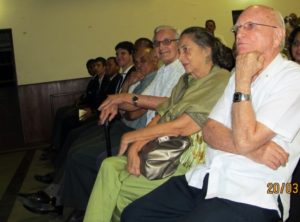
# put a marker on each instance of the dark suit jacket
(130, 71)
(89, 95)
(113, 84)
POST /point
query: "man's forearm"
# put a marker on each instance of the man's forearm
(133, 115)
(143, 101)
(218, 136)
(248, 133)
(148, 102)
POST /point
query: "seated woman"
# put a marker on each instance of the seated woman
(184, 113)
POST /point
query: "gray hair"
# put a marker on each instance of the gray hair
(167, 27)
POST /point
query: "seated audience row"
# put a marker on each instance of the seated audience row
(184, 114)
(252, 133)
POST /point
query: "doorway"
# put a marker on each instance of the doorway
(11, 133)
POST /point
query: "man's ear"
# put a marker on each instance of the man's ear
(279, 37)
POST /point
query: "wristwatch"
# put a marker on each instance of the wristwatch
(239, 96)
(134, 100)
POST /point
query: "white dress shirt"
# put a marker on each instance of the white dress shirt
(166, 78)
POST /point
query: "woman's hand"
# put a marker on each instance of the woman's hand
(124, 144)
(133, 161)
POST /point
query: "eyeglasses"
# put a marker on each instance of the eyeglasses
(296, 43)
(248, 26)
(165, 42)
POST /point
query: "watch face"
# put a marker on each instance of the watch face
(135, 98)
(236, 97)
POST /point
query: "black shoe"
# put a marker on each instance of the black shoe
(38, 197)
(77, 216)
(47, 178)
(44, 209)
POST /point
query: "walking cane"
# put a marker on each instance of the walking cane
(107, 138)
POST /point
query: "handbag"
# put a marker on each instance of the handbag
(160, 157)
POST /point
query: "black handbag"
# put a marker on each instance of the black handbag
(160, 157)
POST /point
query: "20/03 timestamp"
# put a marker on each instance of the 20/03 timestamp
(280, 188)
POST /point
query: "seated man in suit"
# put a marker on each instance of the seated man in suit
(67, 118)
(147, 65)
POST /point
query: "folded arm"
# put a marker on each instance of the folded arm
(218, 136)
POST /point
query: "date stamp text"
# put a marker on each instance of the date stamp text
(280, 188)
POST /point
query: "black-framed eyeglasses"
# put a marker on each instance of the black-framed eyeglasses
(165, 42)
(248, 26)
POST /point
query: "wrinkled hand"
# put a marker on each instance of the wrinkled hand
(270, 154)
(108, 113)
(109, 108)
(248, 66)
(125, 141)
(123, 145)
(133, 162)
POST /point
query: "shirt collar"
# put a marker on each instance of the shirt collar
(126, 71)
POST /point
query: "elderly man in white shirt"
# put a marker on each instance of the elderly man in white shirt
(252, 135)
(165, 44)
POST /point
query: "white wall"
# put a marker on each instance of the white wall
(54, 38)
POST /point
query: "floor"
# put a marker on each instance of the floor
(16, 175)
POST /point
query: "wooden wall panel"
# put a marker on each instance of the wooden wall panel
(11, 135)
(38, 103)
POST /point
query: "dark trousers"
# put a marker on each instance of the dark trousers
(295, 197)
(66, 118)
(176, 201)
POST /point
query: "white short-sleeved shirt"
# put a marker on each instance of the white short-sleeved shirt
(276, 102)
(166, 78)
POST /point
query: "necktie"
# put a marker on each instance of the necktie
(121, 82)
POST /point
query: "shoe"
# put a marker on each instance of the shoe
(77, 216)
(38, 197)
(47, 178)
(44, 209)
